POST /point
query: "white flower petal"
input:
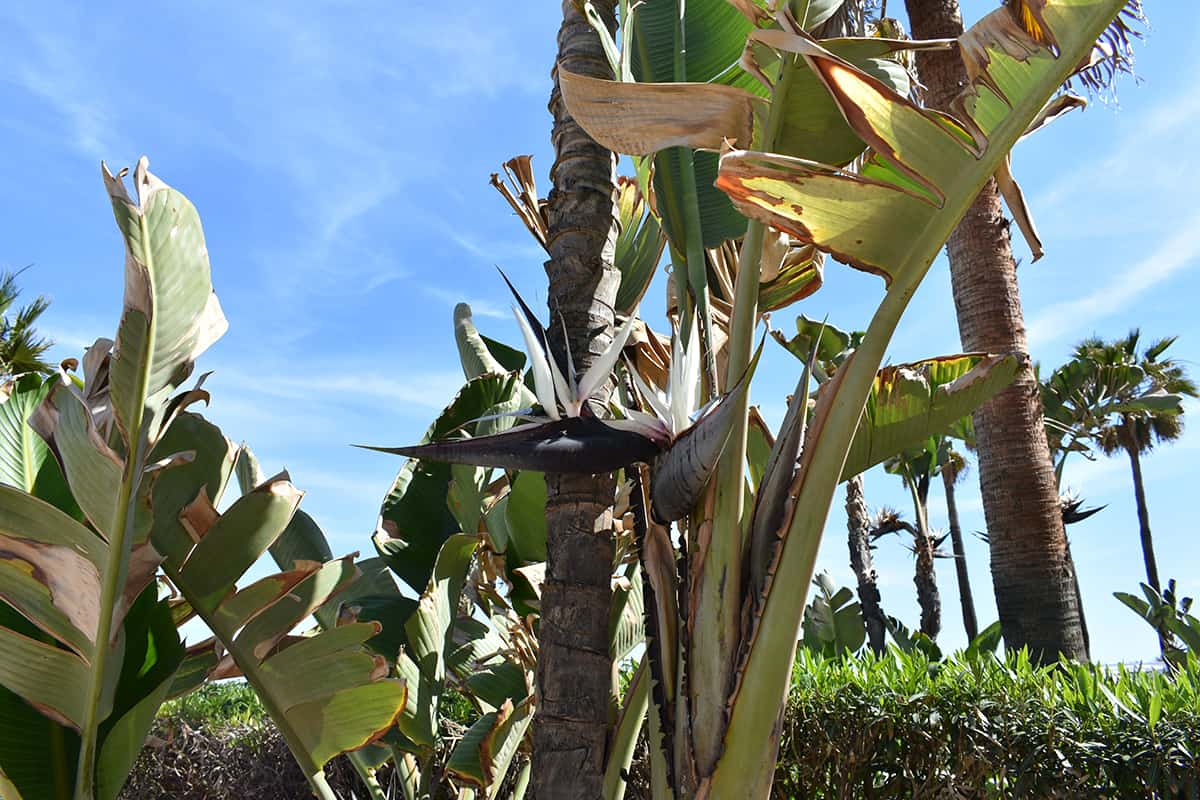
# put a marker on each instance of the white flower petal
(600, 369)
(543, 383)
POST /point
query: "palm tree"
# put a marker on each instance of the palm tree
(858, 524)
(21, 348)
(1032, 571)
(574, 670)
(953, 467)
(1135, 425)
(916, 467)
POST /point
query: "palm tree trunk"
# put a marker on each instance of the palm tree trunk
(925, 577)
(965, 598)
(1143, 512)
(574, 668)
(858, 524)
(1032, 571)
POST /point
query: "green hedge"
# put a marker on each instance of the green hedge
(979, 727)
(856, 727)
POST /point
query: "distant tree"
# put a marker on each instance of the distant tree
(21, 347)
(916, 467)
(1148, 389)
(953, 466)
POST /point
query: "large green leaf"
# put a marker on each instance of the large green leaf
(153, 654)
(480, 355)
(37, 754)
(639, 246)
(626, 630)
(812, 125)
(75, 584)
(483, 755)
(327, 692)
(429, 628)
(714, 33)
(910, 402)
(171, 314)
(415, 518)
(25, 460)
(833, 623)
(525, 517)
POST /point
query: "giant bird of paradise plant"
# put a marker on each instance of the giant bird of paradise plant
(725, 597)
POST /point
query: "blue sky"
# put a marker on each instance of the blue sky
(339, 158)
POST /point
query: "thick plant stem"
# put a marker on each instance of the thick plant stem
(367, 777)
(717, 625)
(115, 571)
(861, 562)
(1031, 566)
(570, 731)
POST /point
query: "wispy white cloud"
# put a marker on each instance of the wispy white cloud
(480, 307)
(53, 71)
(496, 251)
(337, 386)
(1179, 252)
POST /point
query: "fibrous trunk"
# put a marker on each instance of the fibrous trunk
(1143, 512)
(965, 598)
(925, 576)
(858, 523)
(574, 669)
(1031, 567)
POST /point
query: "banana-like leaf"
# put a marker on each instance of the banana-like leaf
(482, 757)
(25, 460)
(800, 275)
(759, 442)
(81, 586)
(481, 356)
(524, 513)
(428, 632)
(492, 685)
(833, 622)
(326, 692)
(642, 118)
(812, 126)
(171, 313)
(37, 754)
(713, 35)
(921, 156)
(892, 219)
(910, 402)
(640, 246)
(414, 518)
(832, 345)
(625, 629)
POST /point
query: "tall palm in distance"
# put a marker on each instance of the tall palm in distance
(21, 346)
(953, 467)
(1135, 427)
